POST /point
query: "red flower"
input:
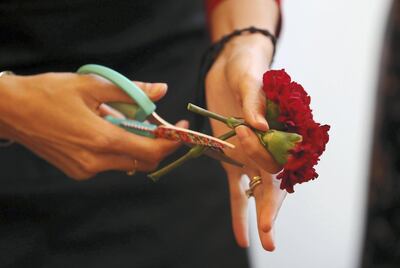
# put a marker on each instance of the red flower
(296, 115)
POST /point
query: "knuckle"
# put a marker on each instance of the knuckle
(145, 87)
(250, 149)
(88, 163)
(103, 142)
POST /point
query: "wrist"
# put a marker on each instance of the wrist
(254, 43)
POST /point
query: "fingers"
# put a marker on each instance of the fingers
(255, 150)
(112, 139)
(238, 208)
(103, 90)
(253, 103)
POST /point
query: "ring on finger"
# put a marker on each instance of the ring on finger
(133, 171)
(254, 182)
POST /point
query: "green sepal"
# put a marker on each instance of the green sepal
(279, 143)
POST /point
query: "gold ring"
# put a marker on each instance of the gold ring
(254, 182)
(133, 171)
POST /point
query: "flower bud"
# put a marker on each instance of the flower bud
(279, 143)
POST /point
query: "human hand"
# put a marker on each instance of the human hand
(234, 88)
(57, 116)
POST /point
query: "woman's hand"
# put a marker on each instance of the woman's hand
(234, 88)
(57, 116)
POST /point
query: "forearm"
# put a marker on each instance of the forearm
(8, 97)
(237, 14)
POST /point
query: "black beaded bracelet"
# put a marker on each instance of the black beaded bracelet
(211, 55)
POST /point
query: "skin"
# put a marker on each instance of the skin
(77, 140)
(237, 76)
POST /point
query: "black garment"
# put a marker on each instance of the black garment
(382, 237)
(48, 220)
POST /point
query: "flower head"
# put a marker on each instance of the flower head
(295, 115)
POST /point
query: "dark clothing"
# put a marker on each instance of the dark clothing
(382, 236)
(49, 220)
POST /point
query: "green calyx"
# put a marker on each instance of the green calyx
(279, 143)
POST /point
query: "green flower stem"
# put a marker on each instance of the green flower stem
(227, 135)
(195, 152)
(155, 176)
(198, 110)
(231, 122)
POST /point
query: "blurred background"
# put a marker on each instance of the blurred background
(333, 48)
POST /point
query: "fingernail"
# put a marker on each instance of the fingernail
(183, 124)
(158, 87)
(263, 124)
(242, 132)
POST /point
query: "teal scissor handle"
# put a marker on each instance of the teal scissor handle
(146, 106)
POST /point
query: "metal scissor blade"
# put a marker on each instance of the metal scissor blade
(221, 156)
(218, 154)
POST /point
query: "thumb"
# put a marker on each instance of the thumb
(104, 91)
(253, 104)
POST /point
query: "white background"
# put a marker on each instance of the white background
(333, 49)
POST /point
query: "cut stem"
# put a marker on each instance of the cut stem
(231, 122)
(201, 111)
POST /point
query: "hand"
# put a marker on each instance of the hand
(233, 88)
(57, 116)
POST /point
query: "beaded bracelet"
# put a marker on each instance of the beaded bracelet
(3, 142)
(211, 55)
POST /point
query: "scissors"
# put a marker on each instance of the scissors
(139, 115)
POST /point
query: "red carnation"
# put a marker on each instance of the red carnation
(296, 116)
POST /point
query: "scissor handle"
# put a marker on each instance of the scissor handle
(146, 106)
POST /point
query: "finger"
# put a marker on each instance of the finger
(271, 202)
(155, 91)
(266, 237)
(103, 90)
(253, 103)
(238, 208)
(255, 150)
(105, 110)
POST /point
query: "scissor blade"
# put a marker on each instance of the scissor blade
(221, 156)
(186, 135)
